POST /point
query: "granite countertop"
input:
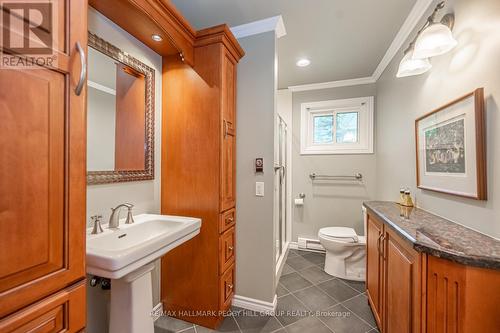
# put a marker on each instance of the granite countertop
(437, 236)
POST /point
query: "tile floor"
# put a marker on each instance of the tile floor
(309, 300)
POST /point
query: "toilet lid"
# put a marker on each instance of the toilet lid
(342, 234)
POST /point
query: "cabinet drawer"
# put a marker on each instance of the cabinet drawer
(61, 312)
(227, 288)
(227, 220)
(226, 250)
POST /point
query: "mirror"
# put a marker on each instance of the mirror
(120, 111)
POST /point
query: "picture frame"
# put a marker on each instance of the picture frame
(451, 148)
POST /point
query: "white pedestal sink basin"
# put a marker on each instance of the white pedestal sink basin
(124, 255)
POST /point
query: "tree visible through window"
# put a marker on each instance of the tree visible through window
(323, 129)
(347, 127)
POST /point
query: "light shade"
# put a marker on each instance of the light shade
(435, 40)
(410, 66)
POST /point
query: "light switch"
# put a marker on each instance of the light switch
(259, 189)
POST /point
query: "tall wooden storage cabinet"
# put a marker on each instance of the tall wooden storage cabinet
(198, 176)
(42, 185)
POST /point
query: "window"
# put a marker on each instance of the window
(323, 129)
(337, 127)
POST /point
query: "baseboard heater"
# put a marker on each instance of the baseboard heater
(310, 244)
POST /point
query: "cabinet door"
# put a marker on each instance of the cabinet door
(461, 298)
(226, 250)
(402, 286)
(42, 169)
(60, 312)
(228, 151)
(374, 267)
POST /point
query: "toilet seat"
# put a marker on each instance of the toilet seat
(339, 234)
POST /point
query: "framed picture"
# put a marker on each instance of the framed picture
(451, 151)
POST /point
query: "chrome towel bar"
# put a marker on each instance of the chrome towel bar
(357, 177)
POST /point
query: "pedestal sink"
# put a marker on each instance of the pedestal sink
(125, 256)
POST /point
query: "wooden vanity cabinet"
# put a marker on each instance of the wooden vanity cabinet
(411, 291)
(43, 186)
(393, 279)
(198, 176)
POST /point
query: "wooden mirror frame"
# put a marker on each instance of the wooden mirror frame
(106, 177)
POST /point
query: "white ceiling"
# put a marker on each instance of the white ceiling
(344, 39)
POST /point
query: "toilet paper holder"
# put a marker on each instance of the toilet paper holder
(300, 201)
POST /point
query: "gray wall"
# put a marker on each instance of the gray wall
(144, 195)
(255, 136)
(474, 63)
(329, 203)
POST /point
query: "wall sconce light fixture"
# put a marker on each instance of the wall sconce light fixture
(435, 38)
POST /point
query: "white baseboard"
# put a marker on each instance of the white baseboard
(157, 311)
(254, 304)
(295, 246)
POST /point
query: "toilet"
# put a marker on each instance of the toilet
(345, 252)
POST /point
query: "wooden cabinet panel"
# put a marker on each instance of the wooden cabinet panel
(446, 286)
(461, 298)
(32, 175)
(42, 171)
(141, 18)
(227, 288)
(227, 220)
(228, 151)
(228, 170)
(374, 267)
(402, 286)
(61, 312)
(226, 250)
(229, 89)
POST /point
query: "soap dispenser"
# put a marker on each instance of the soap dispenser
(407, 201)
(402, 196)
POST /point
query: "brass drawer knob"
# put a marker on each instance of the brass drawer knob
(229, 220)
(231, 248)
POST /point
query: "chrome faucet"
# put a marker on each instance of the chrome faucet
(115, 215)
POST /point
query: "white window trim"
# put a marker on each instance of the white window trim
(365, 130)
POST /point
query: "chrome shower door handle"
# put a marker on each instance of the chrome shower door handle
(83, 70)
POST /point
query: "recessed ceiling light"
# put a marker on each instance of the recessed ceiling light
(156, 38)
(303, 62)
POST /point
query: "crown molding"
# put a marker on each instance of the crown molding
(415, 15)
(333, 84)
(274, 23)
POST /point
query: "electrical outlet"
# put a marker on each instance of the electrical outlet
(259, 189)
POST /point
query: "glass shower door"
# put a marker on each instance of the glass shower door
(281, 178)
